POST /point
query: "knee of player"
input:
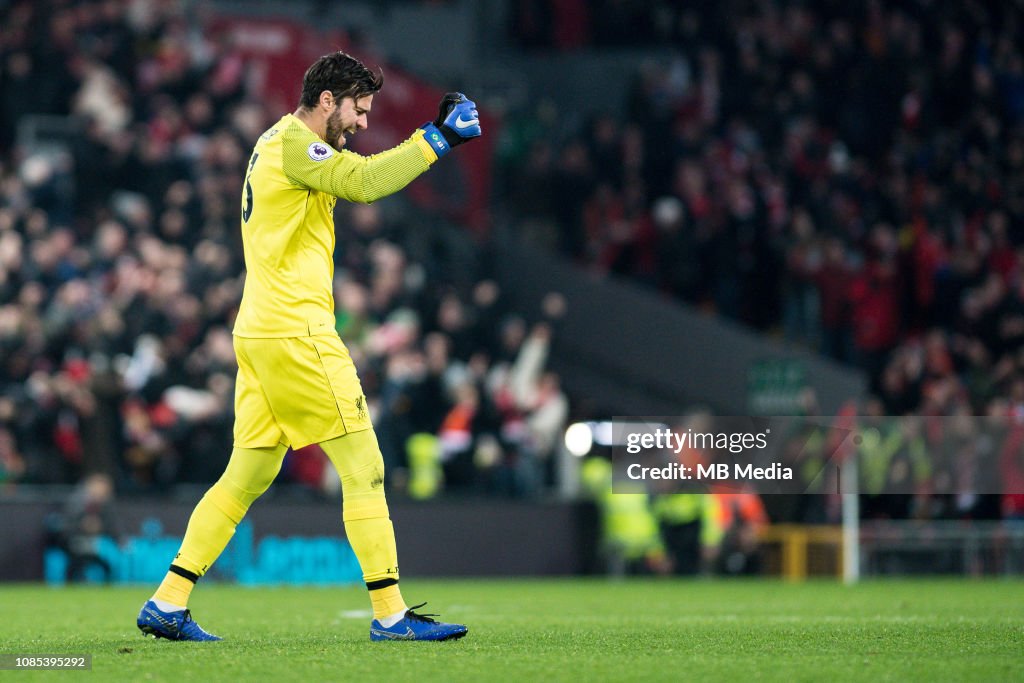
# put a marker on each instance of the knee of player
(368, 479)
(247, 490)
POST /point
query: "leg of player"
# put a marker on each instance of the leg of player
(360, 465)
(249, 473)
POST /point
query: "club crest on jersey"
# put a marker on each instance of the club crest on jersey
(318, 151)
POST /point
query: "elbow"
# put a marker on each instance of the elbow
(364, 194)
(371, 192)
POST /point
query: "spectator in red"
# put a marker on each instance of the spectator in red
(875, 295)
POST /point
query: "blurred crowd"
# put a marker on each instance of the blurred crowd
(121, 270)
(850, 175)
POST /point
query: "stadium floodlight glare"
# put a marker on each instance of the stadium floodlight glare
(579, 439)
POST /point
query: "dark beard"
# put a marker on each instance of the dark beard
(334, 130)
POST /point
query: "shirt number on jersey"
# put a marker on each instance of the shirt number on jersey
(247, 209)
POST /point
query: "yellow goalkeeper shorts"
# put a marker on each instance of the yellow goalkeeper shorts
(296, 391)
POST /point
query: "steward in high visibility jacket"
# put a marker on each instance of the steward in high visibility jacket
(630, 538)
(690, 529)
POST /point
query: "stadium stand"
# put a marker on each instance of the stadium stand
(845, 176)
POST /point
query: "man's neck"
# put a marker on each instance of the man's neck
(317, 124)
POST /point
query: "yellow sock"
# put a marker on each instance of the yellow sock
(174, 589)
(368, 525)
(387, 601)
(373, 541)
(249, 473)
(209, 529)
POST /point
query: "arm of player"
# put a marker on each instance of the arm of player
(308, 161)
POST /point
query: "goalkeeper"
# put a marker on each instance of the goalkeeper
(296, 383)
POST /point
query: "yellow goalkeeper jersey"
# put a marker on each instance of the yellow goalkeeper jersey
(291, 186)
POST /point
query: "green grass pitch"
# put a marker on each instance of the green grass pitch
(546, 630)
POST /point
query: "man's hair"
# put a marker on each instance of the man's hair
(343, 75)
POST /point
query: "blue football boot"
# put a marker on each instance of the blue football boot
(171, 625)
(415, 626)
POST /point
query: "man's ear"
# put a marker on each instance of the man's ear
(327, 99)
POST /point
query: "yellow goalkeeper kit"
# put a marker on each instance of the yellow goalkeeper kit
(296, 383)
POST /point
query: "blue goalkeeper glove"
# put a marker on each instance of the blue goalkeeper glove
(457, 122)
